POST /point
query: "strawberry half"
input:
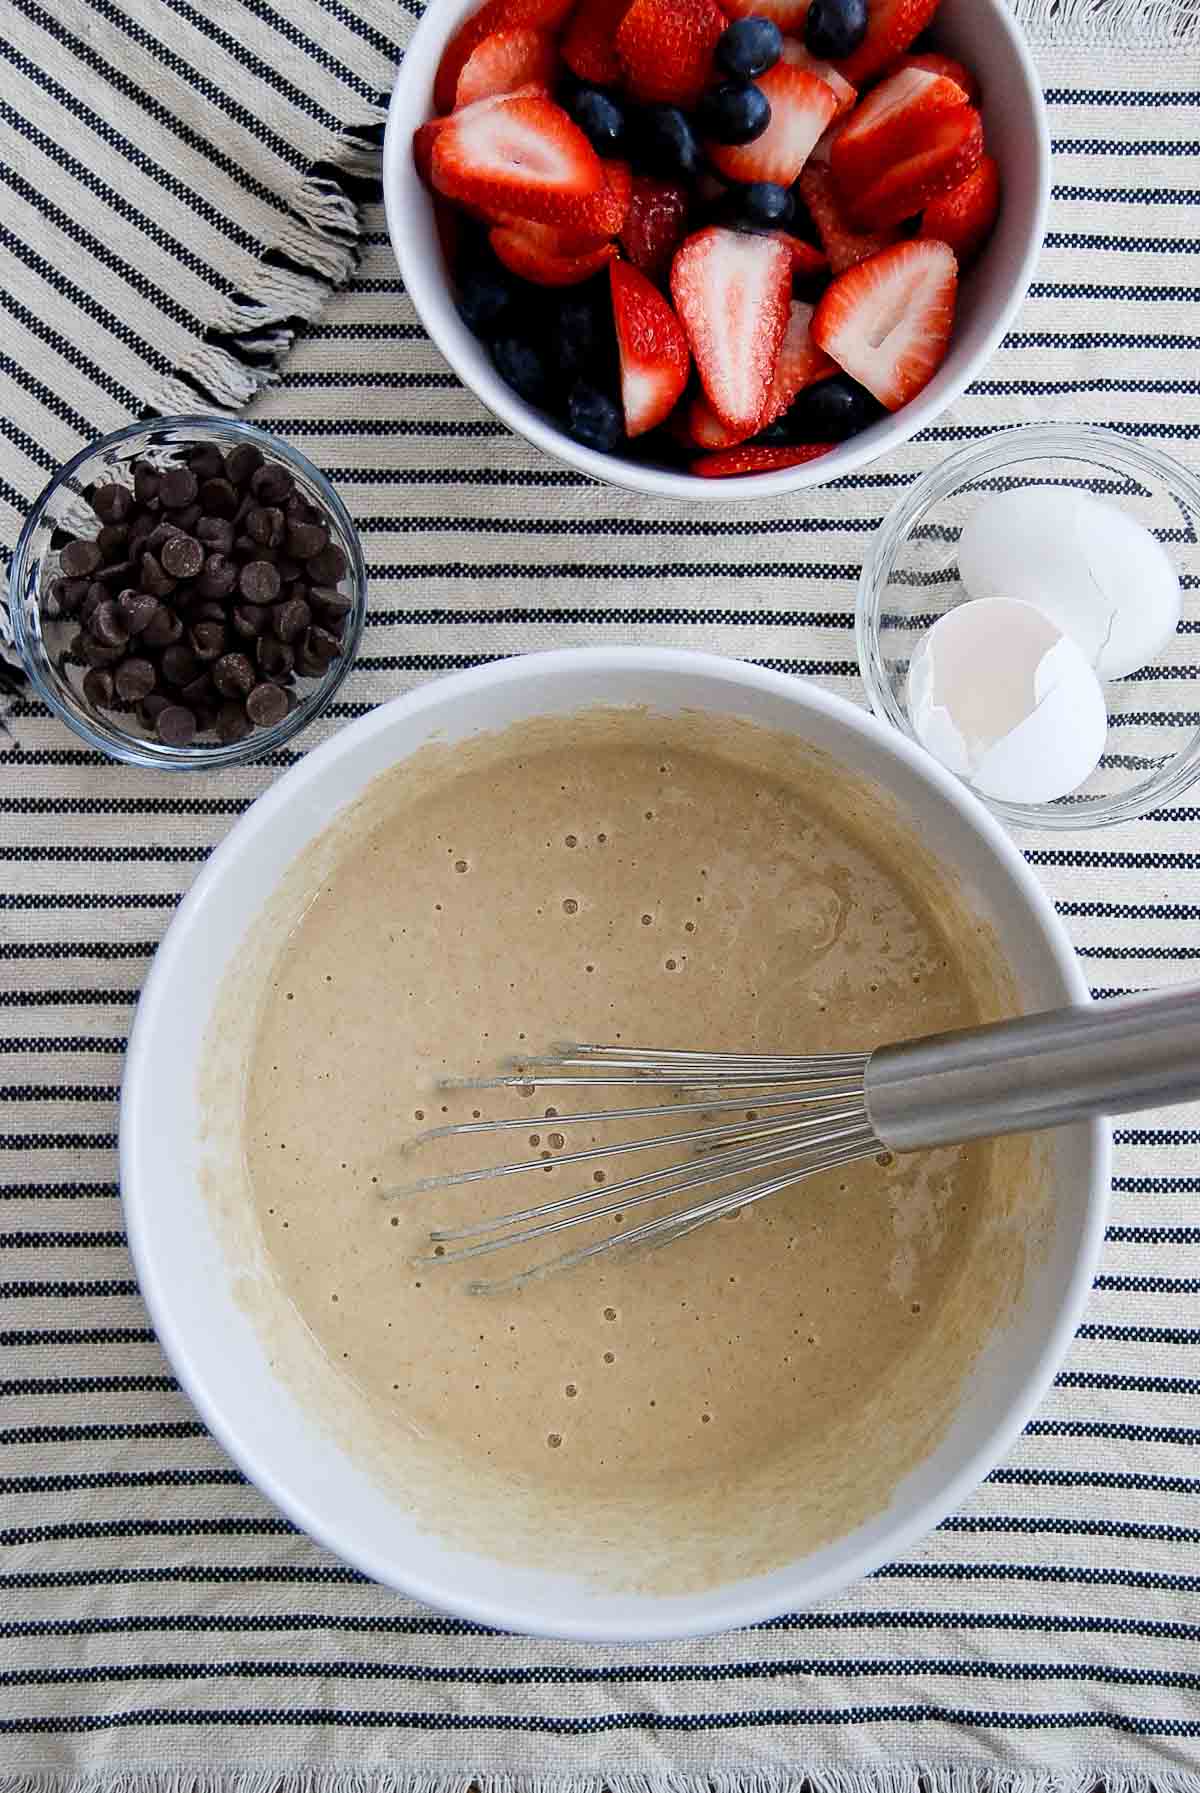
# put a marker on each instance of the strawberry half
(892, 25)
(520, 156)
(937, 64)
(732, 293)
(757, 457)
(426, 135)
(887, 321)
(666, 49)
(496, 15)
(807, 262)
(842, 243)
(589, 47)
(655, 224)
(801, 363)
(547, 257)
(795, 53)
(891, 121)
(606, 211)
(964, 217)
(946, 150)
(653, 349)
(789, 15)
(504, 61)
(801, 108)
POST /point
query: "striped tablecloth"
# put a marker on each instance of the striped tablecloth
(161, 1628)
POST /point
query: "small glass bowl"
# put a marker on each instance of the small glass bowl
(43, 642)
(910, 578)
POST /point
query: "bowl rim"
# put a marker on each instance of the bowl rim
(425, 286)
(1002, 449)
(136, 1121)
(135, 750)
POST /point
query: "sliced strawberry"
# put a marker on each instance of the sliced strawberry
(757, 457)
(937, 64)
(589, 47)
(964, 217)
(801, 363)
(607, 210)
(894, 118)
(504, 61)
(806, 261)
(732, 293)
(887, 321)
(497, 15)
(666, 49)
(948, 148)
(801, 108)
(655, 224)
(539, 253)
(523, 156)
(425, 136)
(795, 53)
(789, 15)
(843, 244)
(652, 346)
(892, 25)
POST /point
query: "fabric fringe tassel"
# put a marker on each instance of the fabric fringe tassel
(1078, 1779)
(1121, 24)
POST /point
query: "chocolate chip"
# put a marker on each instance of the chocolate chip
(289, 620)
(259, 582)
(93, 597)
(135, 679)
(218, 498)
(205, 461)
(188, 517)
(327, 567)
(247, 548)
(266, 524)
(182, 556)
(112, 539)
(266, 705)
(176, 726)
(272, 484)
(233, 724)
(198, 691)
(98, 687)
(179, 664)
(306, 539)
(249, 620)
(216, 533)
(275, 658)
(208, 640)
(98, 653)
(218, 578)
(112, 503)
(307, 664)
(207, 610)
(109, 624)
(328, 602)
(154, 580)
(233, 675)
(242, 462)
(145, 482)
(116, 574)
(140, 609)
(177, 486)
(79, 559)
(289, 570)
(139, 531)
(163, 628)
(322, 646)
(152, 707)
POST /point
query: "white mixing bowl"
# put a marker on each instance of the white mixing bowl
(191, 1283)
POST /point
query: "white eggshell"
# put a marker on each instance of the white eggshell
(1089, 566)
(1001, 696)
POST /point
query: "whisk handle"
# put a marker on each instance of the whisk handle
(1040, 1071)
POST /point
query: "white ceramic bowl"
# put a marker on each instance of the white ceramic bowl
(982, 33)
(190, 1284)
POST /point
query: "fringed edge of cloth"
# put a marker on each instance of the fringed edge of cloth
(1119, 24)
(1081, 1778)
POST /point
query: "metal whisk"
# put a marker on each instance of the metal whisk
(795, 1116)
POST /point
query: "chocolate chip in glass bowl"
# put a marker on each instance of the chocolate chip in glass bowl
(135, 679)
(179, 664)
(266, 525)
(259, 582)
(145, 482)
(112, 503)
(242, 462)
(218, 498)
(140, 608)
(306, 539)
(233, 724)
(177, 486)
(290, 619)
(176, 726)
(182, 556)
(329, 566)
(267, 705)
(218, 578)
(272, 484)
(275, 658)
(98, 687)
(249, 620)
(233, 675)
(79, 559)
(216, 533)
(205, 461)
(207, 640)
(154, 579)
(111, 538)
(163, 628)
(108, 624)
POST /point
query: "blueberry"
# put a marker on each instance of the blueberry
(765, 205)
(484, 295)
(777, 434)
(831, 410)
(735, 112)
(592, 418)
(574, 337)
(521, 367)
(665, 142)
(599, 117)
(835, 28)
(749, 47)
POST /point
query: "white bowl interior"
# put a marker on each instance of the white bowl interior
(981, 32)
(192, 1287)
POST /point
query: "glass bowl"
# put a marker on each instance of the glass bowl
(910, 578)
(43, 641)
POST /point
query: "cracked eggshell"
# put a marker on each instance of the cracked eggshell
(1089, 566)
(1001, 696)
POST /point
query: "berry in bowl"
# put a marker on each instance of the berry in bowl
(707, 251)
